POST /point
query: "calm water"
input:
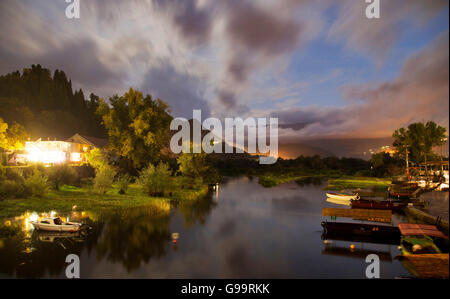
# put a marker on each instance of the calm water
(244, 231)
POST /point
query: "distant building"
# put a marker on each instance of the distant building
(387, 149)
(73, 150)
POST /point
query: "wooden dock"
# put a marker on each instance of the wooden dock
(359, 214)
(426, 218)
(426, 265)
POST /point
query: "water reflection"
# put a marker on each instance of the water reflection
(244, 231)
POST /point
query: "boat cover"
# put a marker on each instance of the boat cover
(412, 229)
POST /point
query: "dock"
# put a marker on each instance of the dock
(426, 265)
(360, 214)
(426, 218)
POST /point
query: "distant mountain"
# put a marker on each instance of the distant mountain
(351, 148)
(294, 150)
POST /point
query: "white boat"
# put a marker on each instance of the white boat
(55, 224)
(338, 201)
(342, 196)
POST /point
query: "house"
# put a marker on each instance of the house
(73, 150)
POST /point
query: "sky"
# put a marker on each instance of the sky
(321, 67)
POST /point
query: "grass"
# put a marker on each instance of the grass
(269, 180)
(69, 196)
(351, 182)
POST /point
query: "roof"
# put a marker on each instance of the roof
(94, 141)
(412, 229)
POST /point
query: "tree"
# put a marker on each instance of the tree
(418, 140)
(97, 158)
(155, 180)
(137, 127)
(197, 168)
(12, 137)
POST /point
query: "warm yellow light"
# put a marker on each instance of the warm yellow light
(75, 157)
(37, 155)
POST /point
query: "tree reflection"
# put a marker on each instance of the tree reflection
(198, 210)
(133, 237)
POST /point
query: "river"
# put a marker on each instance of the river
(241, 231)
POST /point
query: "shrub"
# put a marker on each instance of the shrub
(104, 179)
(62, 175)
(122, 182)
(156, 180)
(12, 189)
(37, 184)
(97, 158)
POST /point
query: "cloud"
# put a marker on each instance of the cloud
(183, 92)
(419, 93)
(376, 37)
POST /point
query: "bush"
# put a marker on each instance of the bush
(104, 179)
(156, 180)
(12, 189)
(122, 182)
(62, 175)
(37, 184)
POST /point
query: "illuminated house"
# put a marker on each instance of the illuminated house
(73, 150)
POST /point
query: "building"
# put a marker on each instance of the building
(73, 150)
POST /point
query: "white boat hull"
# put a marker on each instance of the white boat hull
(56, 228)
(345, 198)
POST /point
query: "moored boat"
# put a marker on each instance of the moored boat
(422, 239)
(394, 206)
(55, 224)
(342, 196)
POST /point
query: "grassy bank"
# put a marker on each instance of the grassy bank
(352, 182)
(269, 180)
(68, 196)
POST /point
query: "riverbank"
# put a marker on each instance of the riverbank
(352, 182)
(67, 197)
(335, 182)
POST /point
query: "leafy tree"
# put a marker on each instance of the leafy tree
(61, 175)
(419, 139)
(137, 126)
(196, 168)
(47, 105)
(97, 158)
(104, 178)
(122, 182)
(156, 180)
(37, 183)
(12, 137)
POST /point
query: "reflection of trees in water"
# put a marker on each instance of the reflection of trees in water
(315, 181)
(197, 210)
(44, 253)
(134, 236)
(130, 237)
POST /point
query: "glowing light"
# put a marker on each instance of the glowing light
(34, 217)
(52, 214)
(75, 157)
(46, 151)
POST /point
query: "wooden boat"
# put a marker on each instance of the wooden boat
(55, 224)
(342, 196)
(403, 191)
(422, 239)
(394, 206)
(361, 229)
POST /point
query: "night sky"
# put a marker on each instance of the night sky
(321, 67)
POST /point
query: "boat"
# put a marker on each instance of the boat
(338, 201)
(342, 196)
(404, 190)
(422, 239)
(394, 206)
(361, 229)
(55, 224)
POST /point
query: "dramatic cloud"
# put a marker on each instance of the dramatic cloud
(244, 58)
(377, 36)
(182, 92)
(420, 92)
